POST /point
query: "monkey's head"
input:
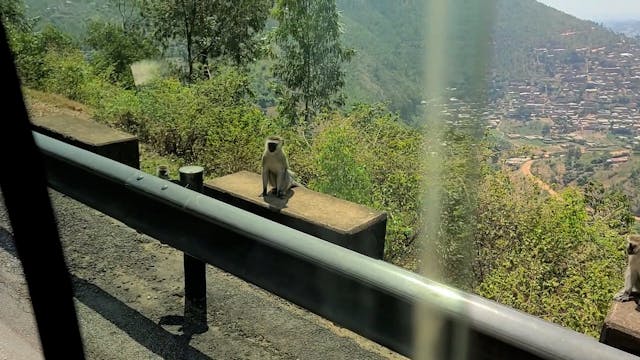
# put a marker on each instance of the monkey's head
(633, 244)
(274, 143)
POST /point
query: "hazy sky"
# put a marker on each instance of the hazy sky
(598, 9)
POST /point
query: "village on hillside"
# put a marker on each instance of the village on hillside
(585, 91)
(592, 89)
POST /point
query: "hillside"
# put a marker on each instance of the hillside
(389, 38)
(69, 16)
(629, 28)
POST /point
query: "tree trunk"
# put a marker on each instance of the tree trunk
(307, 115)
(189, 20)
(189, 58)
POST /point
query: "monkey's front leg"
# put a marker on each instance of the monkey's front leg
(265, 181)
(280, 185)
(624, 294)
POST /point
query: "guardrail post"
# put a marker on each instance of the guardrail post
(195, 281)
(163, 172)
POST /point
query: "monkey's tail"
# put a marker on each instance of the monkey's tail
(294, 182)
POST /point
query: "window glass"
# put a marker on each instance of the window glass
(490, 146)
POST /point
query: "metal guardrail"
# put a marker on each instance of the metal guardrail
(373, 298)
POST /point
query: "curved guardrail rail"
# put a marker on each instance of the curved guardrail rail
(371, 297)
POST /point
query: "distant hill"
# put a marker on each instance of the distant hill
(389, 38)
(70, 16)
(629, 28)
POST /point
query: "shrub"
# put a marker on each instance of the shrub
(548, 257)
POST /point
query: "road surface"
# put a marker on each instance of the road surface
(526, 170)
(130, 297)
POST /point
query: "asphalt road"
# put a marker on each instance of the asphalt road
(130, 298)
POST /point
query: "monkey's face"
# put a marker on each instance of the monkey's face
(274, 143)
(633, 244)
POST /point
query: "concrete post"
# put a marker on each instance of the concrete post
(195, 282)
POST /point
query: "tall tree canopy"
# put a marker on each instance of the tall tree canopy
(12, 12)
(116, 48)
(209, 28)
(309, 56)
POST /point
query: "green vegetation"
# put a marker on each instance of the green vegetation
(593, 165)
(389, 39)
(308, 57)
(12, 12)
(116, 48)
(547, 256)
(208, 29)
(559, 258)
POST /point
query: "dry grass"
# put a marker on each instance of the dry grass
(42, 104)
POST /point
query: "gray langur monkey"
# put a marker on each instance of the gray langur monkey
(275, 168)
(632, 274)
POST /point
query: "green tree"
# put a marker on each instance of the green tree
(31, 51)
(116, 48)
(129, 12)
(12, 12)
(552, 257)
(341, 171)
(573, 155)
(611, 206)
(309, 56)
(209, 28)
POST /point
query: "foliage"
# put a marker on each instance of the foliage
(547, 257)
(70, 17)
(31, 49)
(191, 121)
(464, 157)
(610, 206)
(389, 39)
(308, 58)
(12, 13)
(369, 156)
(67, 74)
(388, 65)
(340, 172)
(116, 48)
(209, 29)
(175, 119)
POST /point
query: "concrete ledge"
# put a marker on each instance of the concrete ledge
(621, 328)
(89, 135)
(341, 222)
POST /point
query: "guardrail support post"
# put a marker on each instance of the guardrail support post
(195, 281)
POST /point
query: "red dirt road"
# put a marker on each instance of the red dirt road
(526, 170)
